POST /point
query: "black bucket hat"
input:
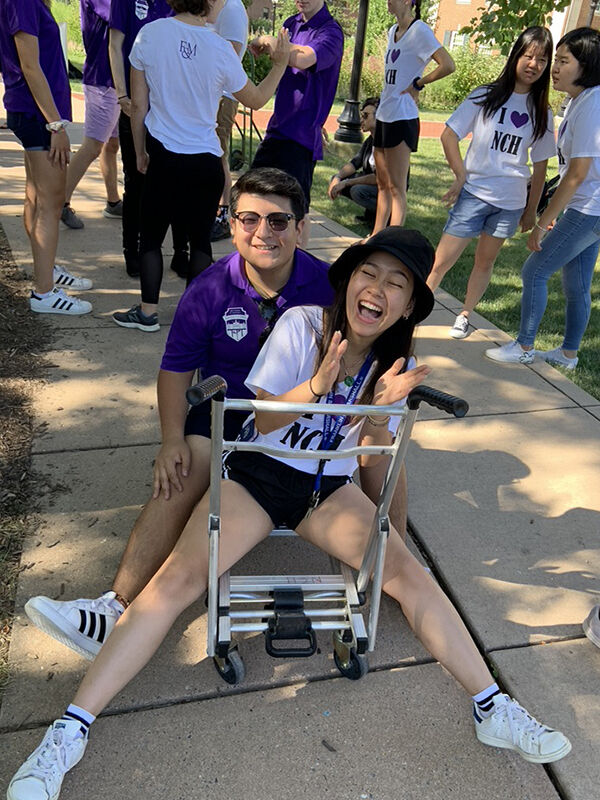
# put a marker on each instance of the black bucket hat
(412, 248)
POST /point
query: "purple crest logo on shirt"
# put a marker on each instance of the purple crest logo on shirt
(236, 323)
(141, 9)
(518, 120)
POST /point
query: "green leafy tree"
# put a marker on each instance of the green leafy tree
(503, 20)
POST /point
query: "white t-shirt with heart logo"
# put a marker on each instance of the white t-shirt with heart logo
(497, 159)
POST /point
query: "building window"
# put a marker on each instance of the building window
(457, 40)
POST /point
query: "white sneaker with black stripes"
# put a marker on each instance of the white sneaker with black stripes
(83, 625)
(65, 280)
(57, 302)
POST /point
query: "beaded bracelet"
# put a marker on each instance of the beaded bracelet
(380, 423)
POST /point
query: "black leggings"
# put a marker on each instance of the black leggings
(178, 187)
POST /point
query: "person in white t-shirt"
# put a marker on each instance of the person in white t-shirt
(180, 68)
(411, 46)
(570, 244)
(358, 349)
(511, 122)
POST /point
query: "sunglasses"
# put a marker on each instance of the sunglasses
(278, 221)
(269, 311)
(366, 114)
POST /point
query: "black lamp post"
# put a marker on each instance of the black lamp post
(349, 119)
(274, 3)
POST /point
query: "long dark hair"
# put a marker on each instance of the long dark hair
(497, 92)
(395, 342)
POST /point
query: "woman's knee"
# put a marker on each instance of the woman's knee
(180, 582)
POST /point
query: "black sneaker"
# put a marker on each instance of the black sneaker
(132, 263)
(180, 263)
(220, 230)
(69, 218)
(134, 318)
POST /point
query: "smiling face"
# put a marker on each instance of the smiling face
(266, 253)
(379, 293)
(530, 67)
(565, 71)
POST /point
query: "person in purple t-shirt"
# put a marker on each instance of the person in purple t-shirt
(101, 127)
(127, 18)
(38, 103)
(221, 322)
(293, 139)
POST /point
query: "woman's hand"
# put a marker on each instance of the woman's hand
(172, 463)
(451, 196)
(60, 149)
(125, 105)
(142, 161)
(534, 243)
(324, 378)
(414, 93)
(280, 54)
(395, 385)
(527, 220)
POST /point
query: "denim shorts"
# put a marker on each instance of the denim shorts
(101, 113)
(470, 216)
(29, 129)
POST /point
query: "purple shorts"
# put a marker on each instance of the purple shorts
(101, 113)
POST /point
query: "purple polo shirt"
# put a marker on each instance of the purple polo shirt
(305, 96)
(32, 16)
(94, 30)
(217, 323)
(129, 17)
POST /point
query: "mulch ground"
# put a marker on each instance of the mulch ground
(23, 339)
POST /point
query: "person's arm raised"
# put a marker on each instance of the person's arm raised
(255, 97)
(29, 57)
(306, 392)
(172, 461)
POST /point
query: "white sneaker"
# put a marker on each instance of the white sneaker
(83, 625)
(511, 353)
(57, 302)
(41, 776)
(512, 727)
(460, 329)
(591, 625)
(557, 356)
(65, 280)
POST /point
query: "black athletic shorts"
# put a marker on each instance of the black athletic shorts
(198, 422)
(280, 490)
(391, 134)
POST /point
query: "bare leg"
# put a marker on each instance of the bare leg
(487, 250)
(371, 481)
(180, 581)
(384, 191)
(46, 199)
(341, 525)
(447, 253)
(87, 153)
(397, 160)
(160, 524)
(108, 168)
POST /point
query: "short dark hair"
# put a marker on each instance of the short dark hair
(268, 180)
(200, 7)
(369, 101)
(584, 46)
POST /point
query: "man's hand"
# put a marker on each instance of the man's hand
(171, 465)
(335, 187)
(142, 162)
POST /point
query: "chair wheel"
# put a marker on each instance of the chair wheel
(231, 668)
(355, 667)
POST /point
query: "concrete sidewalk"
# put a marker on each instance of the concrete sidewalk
(504, 502)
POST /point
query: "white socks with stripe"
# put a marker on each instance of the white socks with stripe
(484, 700)
(80, 715)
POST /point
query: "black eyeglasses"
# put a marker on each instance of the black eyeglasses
(278, 221)
(267, 308)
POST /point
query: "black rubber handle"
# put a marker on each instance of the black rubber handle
(445, 402)
(206, 389)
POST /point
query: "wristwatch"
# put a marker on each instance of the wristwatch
(56, 127)
(416, 84)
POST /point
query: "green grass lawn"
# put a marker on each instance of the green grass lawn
(430, 178)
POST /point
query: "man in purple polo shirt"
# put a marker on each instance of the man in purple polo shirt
(220, 324)
(101, 127)
(306, 92)
(127, 18)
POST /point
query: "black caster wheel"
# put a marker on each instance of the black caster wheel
(354, 667)
(231, 668)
